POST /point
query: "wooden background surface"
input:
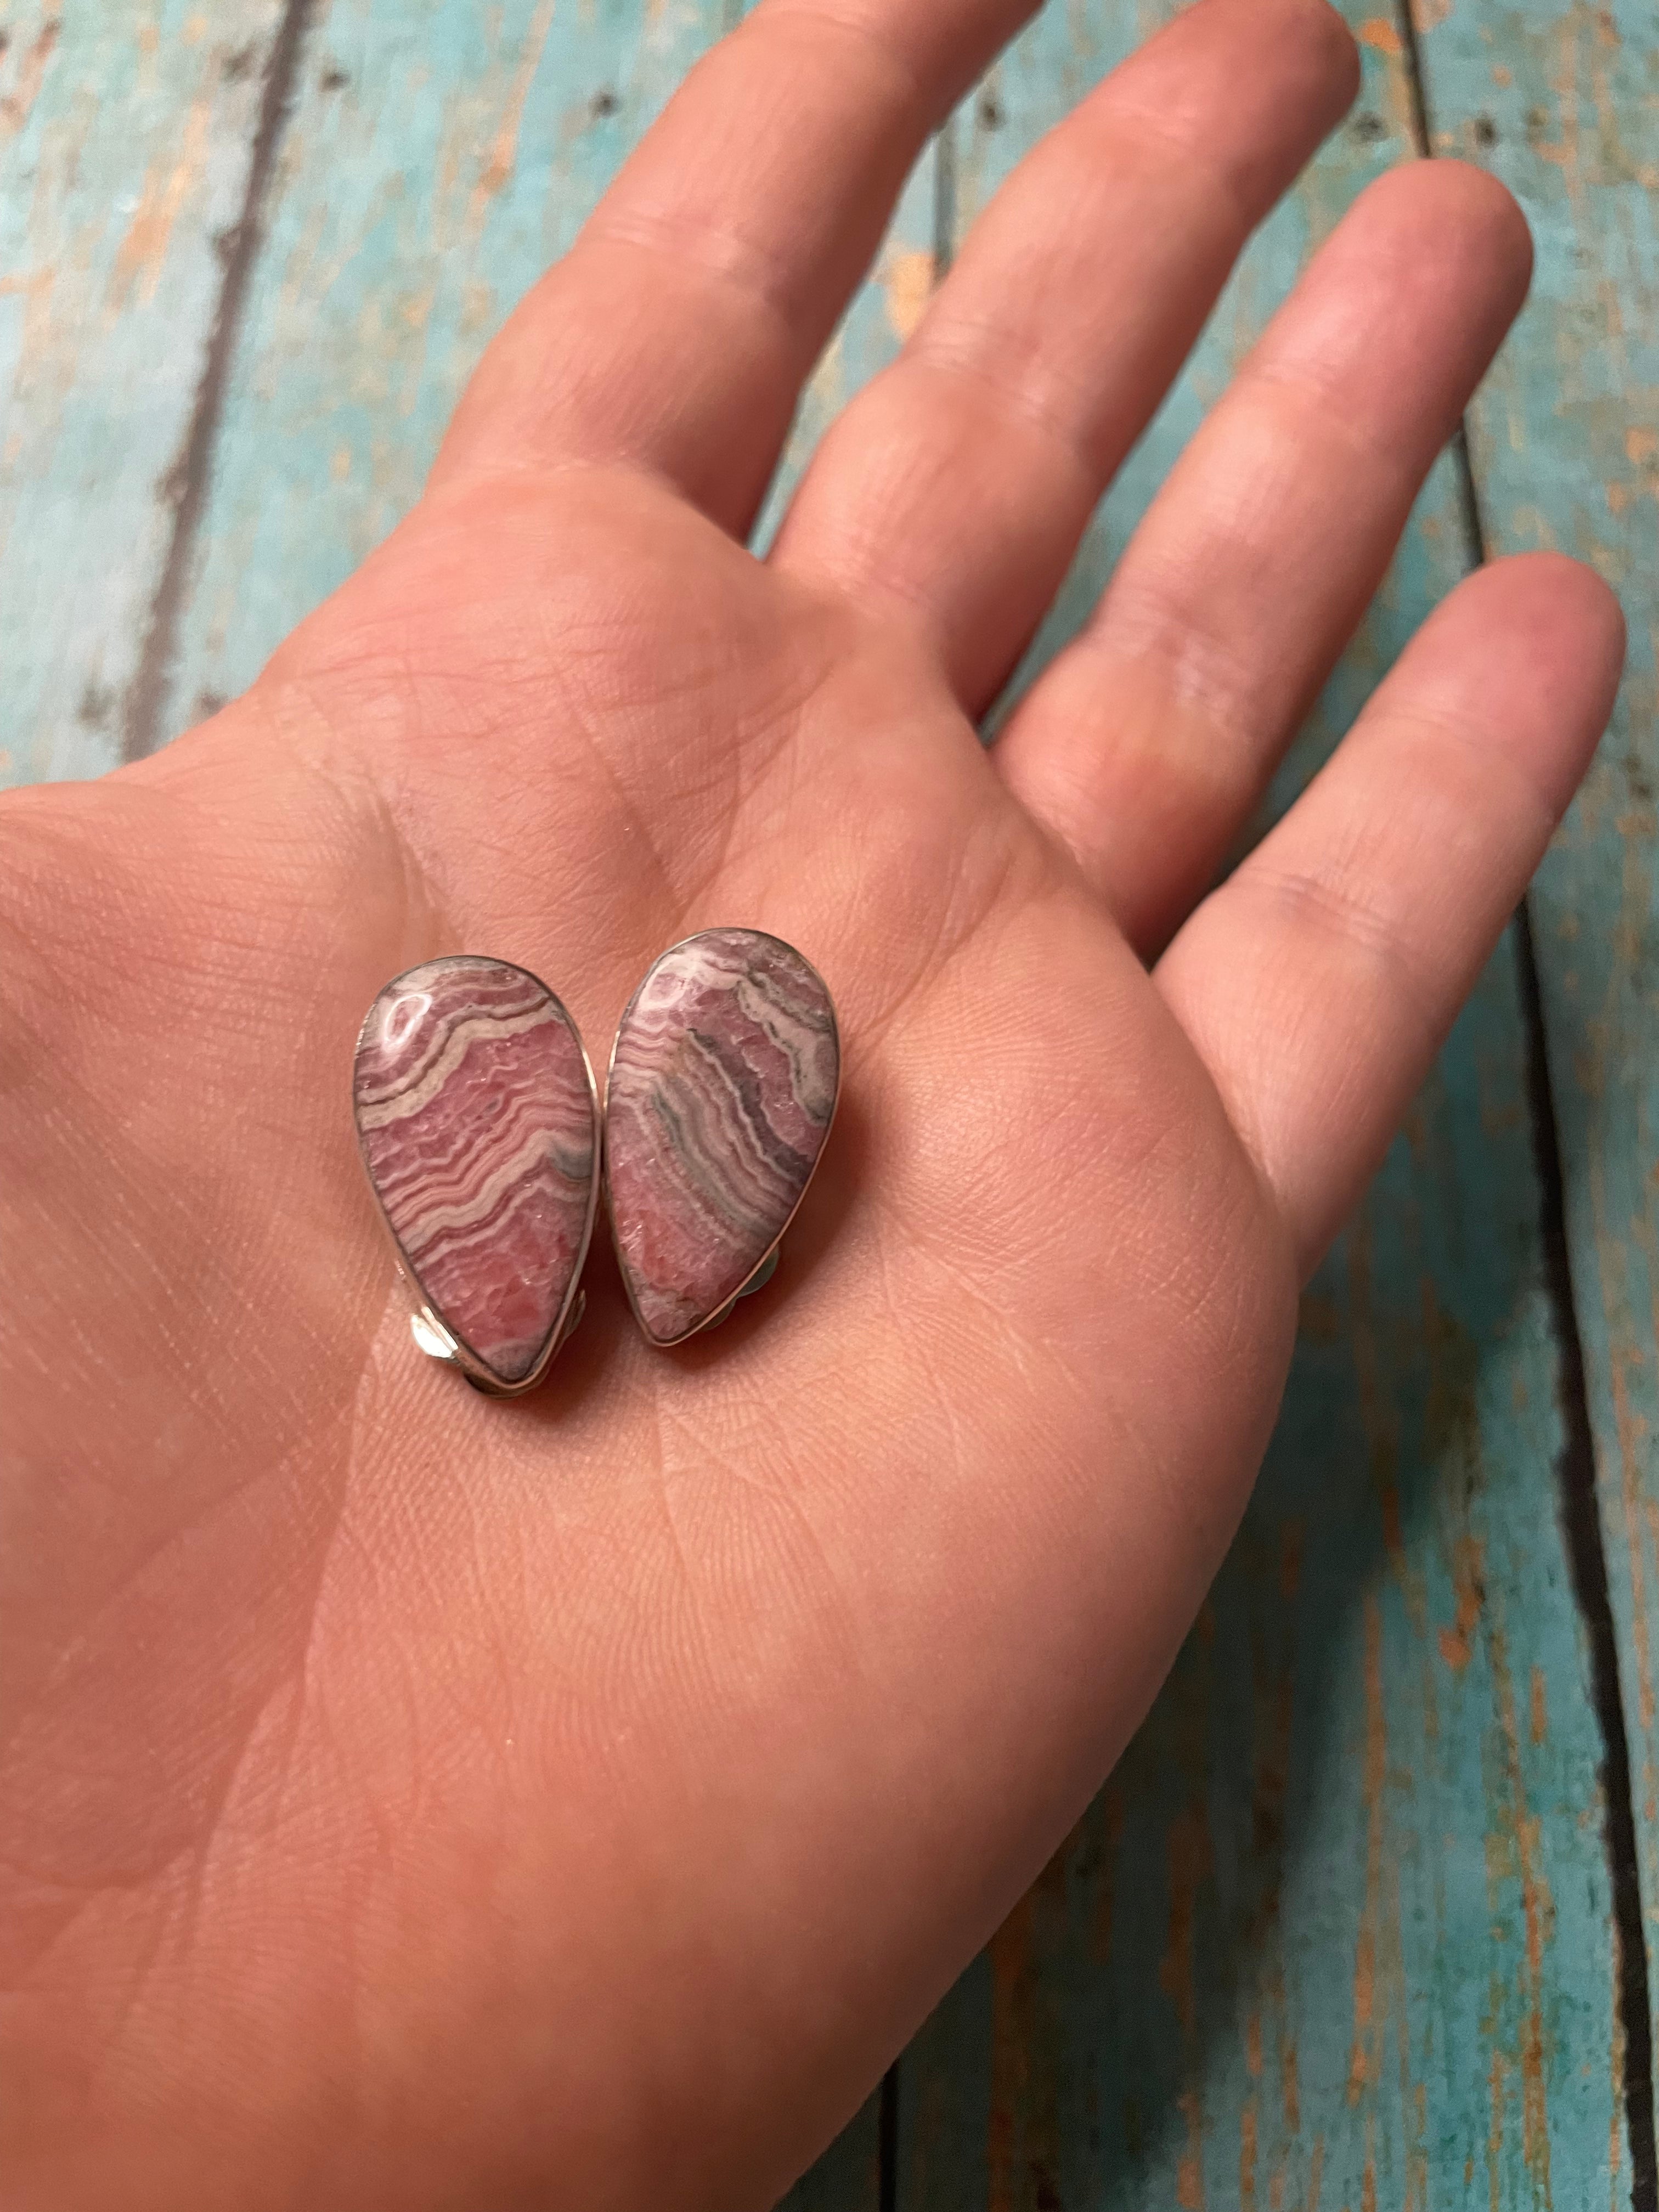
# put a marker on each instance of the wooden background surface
(1368, 1917)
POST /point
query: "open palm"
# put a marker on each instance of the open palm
(414, 1800)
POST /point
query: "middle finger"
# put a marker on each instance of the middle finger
(955, 488)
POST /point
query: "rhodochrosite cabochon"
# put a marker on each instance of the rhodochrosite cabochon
(722, 1088)
(479, 1128)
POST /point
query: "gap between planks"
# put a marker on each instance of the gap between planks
(887, 2164)
(186, 486)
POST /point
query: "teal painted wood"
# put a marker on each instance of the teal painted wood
(1563, 102)
(437, 158)
(1337, 1932)
(1343, 1912)
(125, 133)
(426, 179)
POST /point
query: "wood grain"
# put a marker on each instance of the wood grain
(1562, 102)
(1340, 1930)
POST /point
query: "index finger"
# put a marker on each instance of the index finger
(678, 331)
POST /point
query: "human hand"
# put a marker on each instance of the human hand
(415, 1801)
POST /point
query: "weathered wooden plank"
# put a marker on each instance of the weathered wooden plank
(125, 134)
(428, 176)
(1337, 1933)
(436, 159)
(1343, 1911)
(1562, 102)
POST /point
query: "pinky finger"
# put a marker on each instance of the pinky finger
(1319, 980)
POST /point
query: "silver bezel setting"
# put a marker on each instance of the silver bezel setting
(432, 1334)
(763, 1269)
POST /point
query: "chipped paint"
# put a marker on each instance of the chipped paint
(167, 191)
(1189, 1865)
(1521, 1831)
(907, 281)
(27, 75)
(1454, 1642)
(1363, 2065)
(503, 154)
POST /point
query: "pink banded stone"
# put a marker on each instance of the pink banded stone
(722, 1088)
(478, 1125)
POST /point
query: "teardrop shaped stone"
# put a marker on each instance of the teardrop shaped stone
(722, 1088)
(479, 1127)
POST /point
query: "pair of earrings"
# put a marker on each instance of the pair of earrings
(480, 1128)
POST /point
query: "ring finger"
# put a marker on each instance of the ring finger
(1147, 742)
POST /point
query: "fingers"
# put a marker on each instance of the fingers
(956, 487)
(1318, 982)
(678, 330)
(1146, 745)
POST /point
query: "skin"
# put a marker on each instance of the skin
(413, 1801)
